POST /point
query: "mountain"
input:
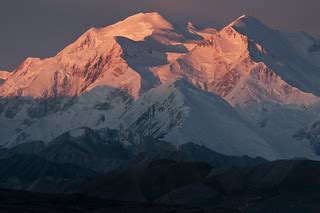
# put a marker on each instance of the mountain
(199, 153)
(85, 148)
(33, 173)
(246, 89)
(74, 158)
(140, 183)
(113, 56)
(104, 150)
(32, 147)
(201, 117)
(285, 186)
(293, 56)
(278, 185)
(232, 64)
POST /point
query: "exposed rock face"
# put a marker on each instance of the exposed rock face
(235, 90)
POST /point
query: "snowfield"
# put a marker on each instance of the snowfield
(246, 89)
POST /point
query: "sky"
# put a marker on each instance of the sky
(41, 28)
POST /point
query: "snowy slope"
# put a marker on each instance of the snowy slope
(99, 58)
(244, 90)
(180, 113)
(177, 112)
(227, 64)
(4, 75)
(293, 56)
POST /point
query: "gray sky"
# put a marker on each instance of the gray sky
(40, 28)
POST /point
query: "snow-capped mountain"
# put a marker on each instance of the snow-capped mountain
(243, 90)
(234, 64)
(116, 56)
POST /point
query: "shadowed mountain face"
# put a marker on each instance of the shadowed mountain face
(30, 172)
(280, 185)
(277, 186)
(150, 173)
(76, 156)
(172, 116)
(203, 154)
(235, 90)
(86, 148)
(148, 181)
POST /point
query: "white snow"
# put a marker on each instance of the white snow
(4, 75)
(77, 133)
(246, 89)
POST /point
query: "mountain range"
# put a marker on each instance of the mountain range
(245, 89)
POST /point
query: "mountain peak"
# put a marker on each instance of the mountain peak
(156, 20)
(123, 76)
(244, 18)
(146, 15)
(246, 23)
(136, 27)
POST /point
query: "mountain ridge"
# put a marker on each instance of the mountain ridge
(149, 76)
